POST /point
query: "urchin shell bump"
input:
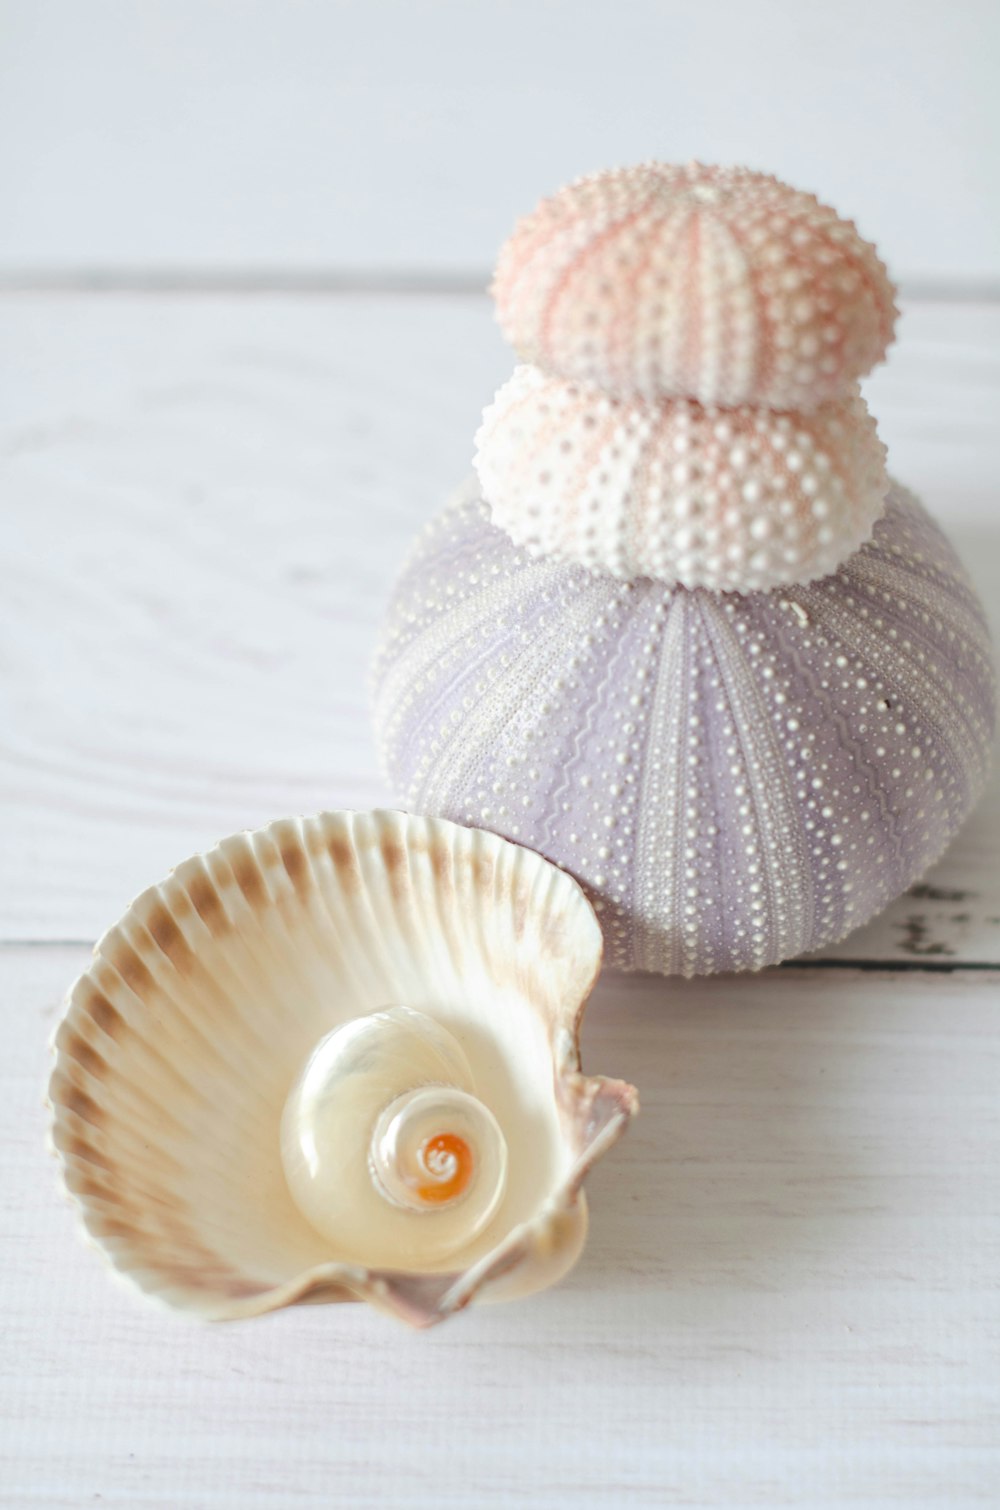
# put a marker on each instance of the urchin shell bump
(338, 1059)
(735, 779)
(730, 499)
(721, 284)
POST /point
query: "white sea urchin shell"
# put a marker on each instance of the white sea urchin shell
(736, 499)
(337, 1059)
(719, 284)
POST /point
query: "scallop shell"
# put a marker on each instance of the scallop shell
(729, 499)
(735, 779)
(269, 1002)
(718, 284)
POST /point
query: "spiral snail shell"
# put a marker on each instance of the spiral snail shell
(387, 1149)
(337, 1059)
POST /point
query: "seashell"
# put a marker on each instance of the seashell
(734, 779)
(337, 1059)
(388, 1102)
(718, 284)
(730, 499)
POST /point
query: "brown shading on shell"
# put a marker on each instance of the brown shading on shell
(207, 903)
(154, 1062)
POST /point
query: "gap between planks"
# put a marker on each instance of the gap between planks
(347, 280)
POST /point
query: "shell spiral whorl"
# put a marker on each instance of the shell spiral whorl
(431, 1146)
(386, 1145)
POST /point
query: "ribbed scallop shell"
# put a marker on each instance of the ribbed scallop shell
(736, 779)
(736, 499)
(183, 1039)
(718, 284)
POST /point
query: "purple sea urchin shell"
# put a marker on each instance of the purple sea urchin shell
(735, 779)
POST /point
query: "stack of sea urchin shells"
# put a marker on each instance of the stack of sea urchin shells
(691, 409)
(689, 642)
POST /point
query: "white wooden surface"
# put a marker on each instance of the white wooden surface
(790, 1295)
(255, 136)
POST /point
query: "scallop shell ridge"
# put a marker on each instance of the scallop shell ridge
(182, 1040)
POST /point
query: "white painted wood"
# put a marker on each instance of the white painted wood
(789, 1296)
(207, 499)
(410, 133)
(790, 1291)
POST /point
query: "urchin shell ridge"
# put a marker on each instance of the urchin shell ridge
(720, 284)
(737, 499)
(736, 779)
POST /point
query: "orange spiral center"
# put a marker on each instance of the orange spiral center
(448, 1162)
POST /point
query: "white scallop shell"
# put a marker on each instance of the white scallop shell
(734, 500)
(183, 1041)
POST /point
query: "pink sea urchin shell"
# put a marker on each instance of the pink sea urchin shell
(718, 284)
(729, 499)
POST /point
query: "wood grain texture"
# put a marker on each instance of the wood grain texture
(789, 1295)
(207, 500)
(790, 1291)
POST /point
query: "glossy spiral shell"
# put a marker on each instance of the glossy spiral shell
(718, 284)
(388, 1149)
(181, 1056)
(736, 779)
(730, 499)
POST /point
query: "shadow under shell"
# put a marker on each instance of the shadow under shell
(735, 779)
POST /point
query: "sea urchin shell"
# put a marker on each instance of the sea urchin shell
(735, 778)
(729, 499)
(718, 284)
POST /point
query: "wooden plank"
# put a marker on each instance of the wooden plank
(404, 135)
(207, 499)
(789, 1294)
